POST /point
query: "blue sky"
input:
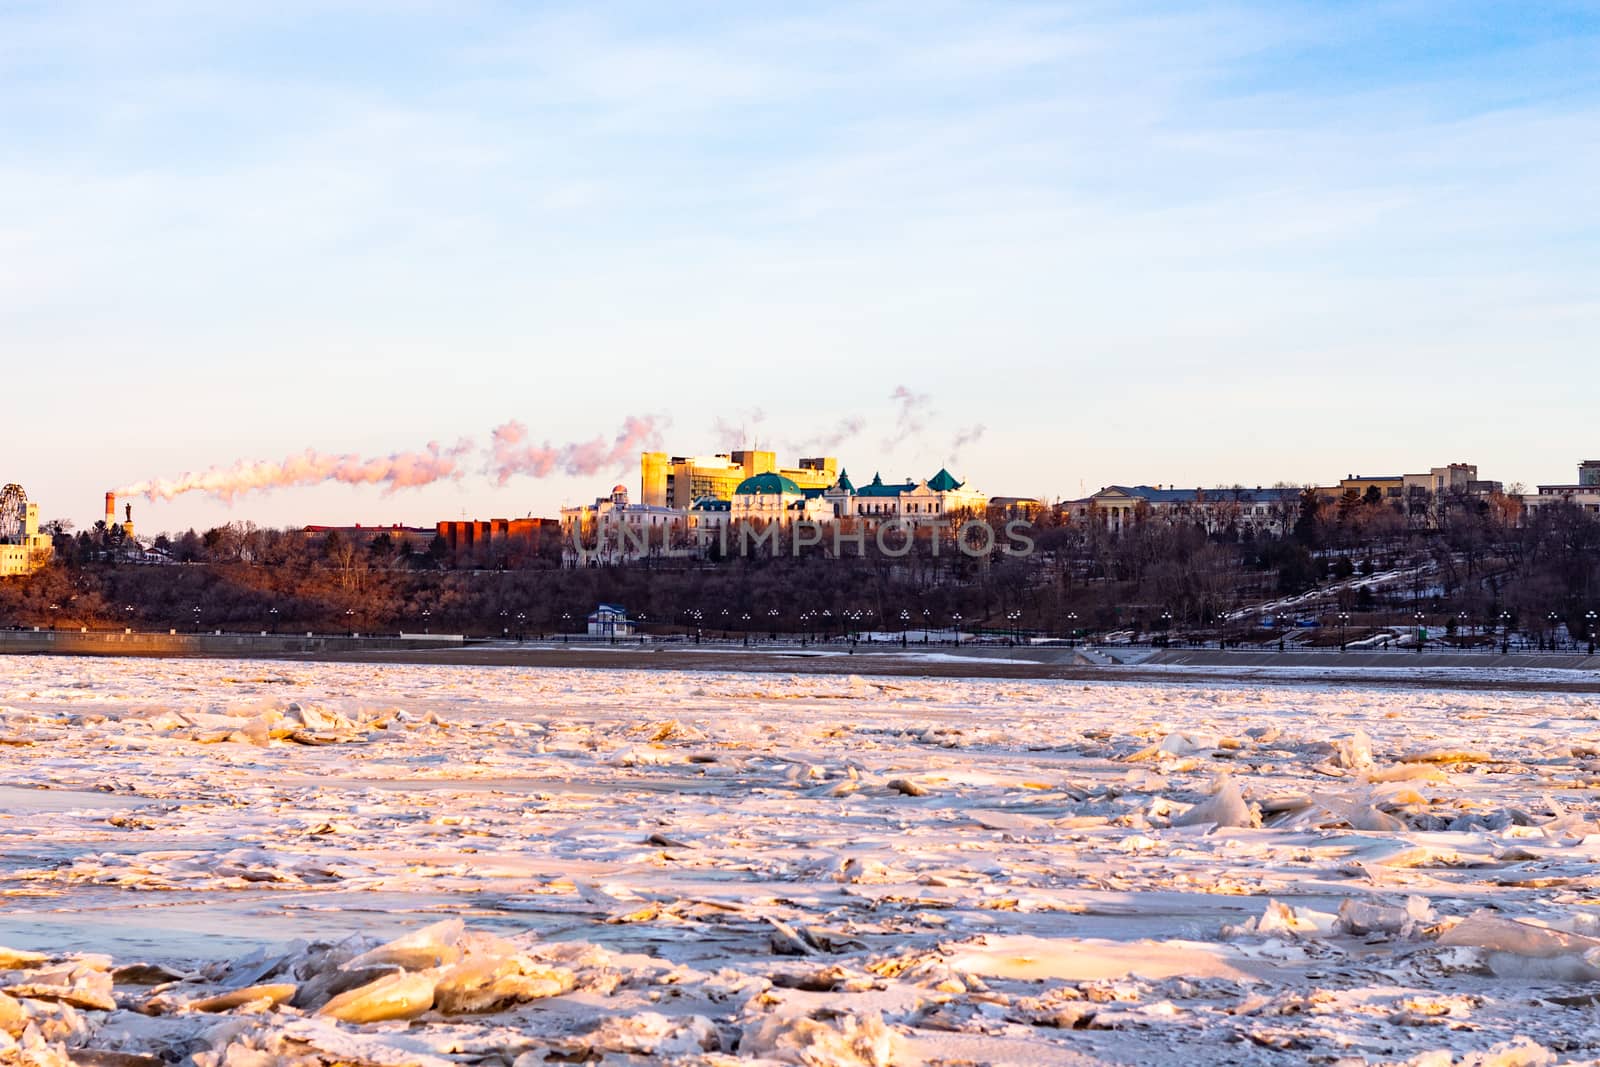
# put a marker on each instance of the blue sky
(1134, 242)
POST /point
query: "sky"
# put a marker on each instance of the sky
(1052, 246)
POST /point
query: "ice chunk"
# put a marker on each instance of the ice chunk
(266, 995)
(1226, 807)
(395, 996)
(1446, 755)
(1358, 813)
(13, 1017)
(489, 983)
(75, 984)
(848, 1041)
(1407, 772)
(431, 946)
(13, 959)
(1353, 751)
(650, 1033)
(1516, 949)
(1179, 744)
(1280, 920)
(1518, 1052)
(859, 871)
(1366, 917)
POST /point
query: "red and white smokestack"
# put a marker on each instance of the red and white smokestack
(111, 510)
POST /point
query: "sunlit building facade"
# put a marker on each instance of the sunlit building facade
(23, 549)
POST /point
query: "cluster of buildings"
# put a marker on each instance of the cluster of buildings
(1421, 497)
(680, 481)
(463, 536)
(1273, 511)
(691, 504)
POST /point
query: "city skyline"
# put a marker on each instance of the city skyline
(399, 507)
(1258, 242)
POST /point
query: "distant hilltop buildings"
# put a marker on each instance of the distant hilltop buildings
(689, 507)
(695, 507)
(1273, 511)
(690, 504)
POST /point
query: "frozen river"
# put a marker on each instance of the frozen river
(628, 866)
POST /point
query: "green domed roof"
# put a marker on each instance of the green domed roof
(767, 484)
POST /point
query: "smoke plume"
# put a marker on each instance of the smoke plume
(848, 427)
(739, 431)
(511, 454)
(508, 455)
(401, 470)
(911, 418)
(970, 436)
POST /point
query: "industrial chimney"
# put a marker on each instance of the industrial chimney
(111, 510)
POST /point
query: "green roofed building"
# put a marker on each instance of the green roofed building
(939, 497)
(768, 485)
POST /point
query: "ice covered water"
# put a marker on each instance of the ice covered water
(242, 863)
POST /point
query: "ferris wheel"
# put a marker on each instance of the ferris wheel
(13, 512)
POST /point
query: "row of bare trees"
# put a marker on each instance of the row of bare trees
(1474, 556)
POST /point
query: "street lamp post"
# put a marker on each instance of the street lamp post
(1166, 628)
(1014, 617)
(1589, 630)
(1072, 629)
(956, 618)
(1419, 621)
(350, 621)
(272, 617)
(772, 622)
(1505, 632)
(566, 625)
(1344, 623)
(197, 618)
(1552, 618)
(426, 614)
(129, 610)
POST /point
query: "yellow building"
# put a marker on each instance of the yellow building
(23, 549)
(678, 481)
(1454, 478)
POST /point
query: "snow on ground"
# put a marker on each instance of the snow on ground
(241, 864)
